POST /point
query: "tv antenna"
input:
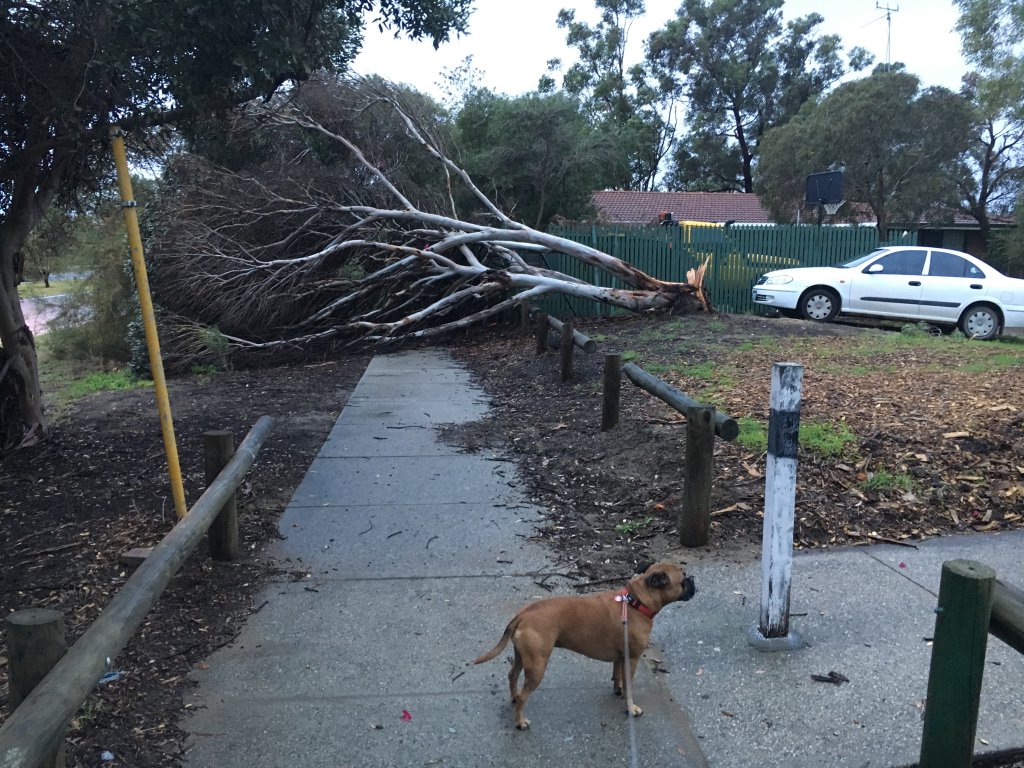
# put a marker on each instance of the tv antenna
(888, 36)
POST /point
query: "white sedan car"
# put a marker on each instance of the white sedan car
(934, 285)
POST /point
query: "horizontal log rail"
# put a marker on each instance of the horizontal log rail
(580, 340)
(1007, 620)
(725, 426)
(31, 730)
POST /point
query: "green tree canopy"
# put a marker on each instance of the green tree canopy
(991, 178)
(896, 144)
(992, 35)
(71, 68)
(742, 72)
(536, 155)
(624, 101)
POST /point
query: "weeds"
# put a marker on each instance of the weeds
(103, 381)
(822, 438)
(883, 480)
(632, 526)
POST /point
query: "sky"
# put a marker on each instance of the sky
(512, 40)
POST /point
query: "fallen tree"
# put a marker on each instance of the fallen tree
(257, 264)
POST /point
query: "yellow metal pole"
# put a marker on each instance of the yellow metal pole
(131, 222)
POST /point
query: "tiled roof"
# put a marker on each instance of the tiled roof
(626, 207)
(616, 206)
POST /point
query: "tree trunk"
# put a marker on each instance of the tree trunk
(19, 373)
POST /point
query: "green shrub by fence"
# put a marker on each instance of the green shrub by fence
(736, 256)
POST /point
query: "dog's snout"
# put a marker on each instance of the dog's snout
(689, 588)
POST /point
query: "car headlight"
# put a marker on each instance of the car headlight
(777, 280)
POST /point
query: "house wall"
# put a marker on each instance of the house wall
(966, 240)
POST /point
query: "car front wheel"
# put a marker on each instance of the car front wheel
(980, 322)
(821, 304)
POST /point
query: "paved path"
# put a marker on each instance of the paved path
(418, 555)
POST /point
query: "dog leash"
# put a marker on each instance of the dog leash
(627, 678)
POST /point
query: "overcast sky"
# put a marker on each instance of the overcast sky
(512, 40)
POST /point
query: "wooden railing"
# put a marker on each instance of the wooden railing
(972, 605)
(703, 422)
(35, 729)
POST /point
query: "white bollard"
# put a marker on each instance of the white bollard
(773, 632)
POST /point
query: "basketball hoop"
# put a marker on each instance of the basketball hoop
(832, 208)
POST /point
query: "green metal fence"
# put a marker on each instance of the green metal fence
(736, 256)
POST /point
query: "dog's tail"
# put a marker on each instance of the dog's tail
(501, 643)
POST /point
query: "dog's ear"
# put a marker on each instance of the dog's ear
(657, 580)
(642, 566)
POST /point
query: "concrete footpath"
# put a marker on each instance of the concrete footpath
(410, 558)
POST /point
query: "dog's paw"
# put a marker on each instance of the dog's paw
(617, 690)
(523, 724)
(634, 710)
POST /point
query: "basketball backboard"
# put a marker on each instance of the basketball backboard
(823, 188)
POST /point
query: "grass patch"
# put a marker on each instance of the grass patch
(883, 480)
(753, 434)
(704, 371)
(32, 290)
(64, 380)
(818, 437)
(996, 361)
(103, 381)
(629, 356)
(826, 439)
(654, 334)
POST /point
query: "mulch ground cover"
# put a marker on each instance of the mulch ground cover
(98, 487)
(933, 429)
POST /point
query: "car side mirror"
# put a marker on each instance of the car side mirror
(875, 269)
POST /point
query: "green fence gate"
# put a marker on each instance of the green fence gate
(736, 256)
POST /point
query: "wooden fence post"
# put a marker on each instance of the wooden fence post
(612, 391)
(35, 643)
(524, 318)
(218, 448)
(695, 515)
(958, 662)
(772, 632)
(565, 350)
(542, 332)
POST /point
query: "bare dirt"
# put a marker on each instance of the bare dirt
(951, 435)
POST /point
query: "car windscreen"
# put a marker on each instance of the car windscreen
(860, 259)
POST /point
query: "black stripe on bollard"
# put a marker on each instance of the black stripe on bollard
(784, 434)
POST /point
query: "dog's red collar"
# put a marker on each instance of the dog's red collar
(626, 596)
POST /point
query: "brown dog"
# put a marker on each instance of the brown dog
(591, 625)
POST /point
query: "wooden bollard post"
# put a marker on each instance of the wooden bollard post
(565, 350)
(35, 643)
(524, 318)
(612, 391)
(772, 632)
(695, 514)
(218, 448)
(541, 329)
(958, 661)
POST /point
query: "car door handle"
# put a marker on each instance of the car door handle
(976, 286)
(914, 283)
